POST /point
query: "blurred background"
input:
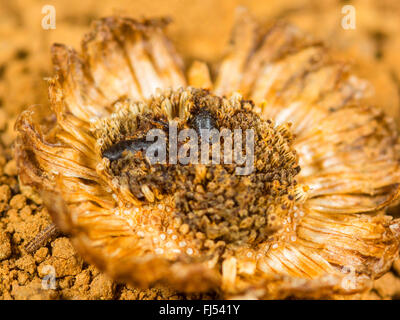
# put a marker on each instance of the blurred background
(200, 30)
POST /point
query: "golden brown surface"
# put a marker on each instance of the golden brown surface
(25, 60)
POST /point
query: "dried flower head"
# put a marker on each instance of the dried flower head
(307, 221)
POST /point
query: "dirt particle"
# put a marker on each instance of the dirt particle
(32, 291)
(18, 202)
(23, 277)
(102, 288)
(63, 267)
(65, 283)
(31, 194)
(62, 248)
(396, 267)
(26, 263)
(10, 168)
(64, 259)
(388, 285)
(5, 246)
(41, 254)
(82, 279)
(5, 193)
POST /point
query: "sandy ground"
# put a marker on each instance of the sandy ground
(200, 30)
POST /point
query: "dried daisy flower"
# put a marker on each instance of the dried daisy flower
(307, 221)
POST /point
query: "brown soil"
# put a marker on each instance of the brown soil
(201, 30)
